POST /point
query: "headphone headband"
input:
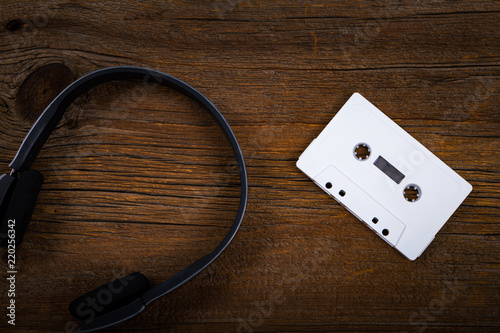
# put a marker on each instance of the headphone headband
(48, 121)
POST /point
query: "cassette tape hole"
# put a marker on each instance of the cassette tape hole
(375, 220)
(341, 193)
(412, 193)
(385, 232)
(362, 151)
(328, 185)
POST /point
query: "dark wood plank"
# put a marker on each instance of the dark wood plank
(140, 179)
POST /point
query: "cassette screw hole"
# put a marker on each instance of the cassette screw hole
(361, 151)
(328, 185)
(375, 220)
(385, 232)
(342, 193)
(411, 193)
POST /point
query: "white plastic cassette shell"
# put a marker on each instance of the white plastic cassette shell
(369, 193)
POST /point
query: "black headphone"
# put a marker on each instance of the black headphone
(128, 296)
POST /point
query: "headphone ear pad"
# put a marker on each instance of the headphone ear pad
(18, 201)
(109, 297)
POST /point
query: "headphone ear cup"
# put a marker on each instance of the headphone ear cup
(109, 297)
(19, 202)
(6, 185)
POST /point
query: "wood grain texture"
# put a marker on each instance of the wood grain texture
(140, 179)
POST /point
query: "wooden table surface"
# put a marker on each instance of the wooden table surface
(142, 179)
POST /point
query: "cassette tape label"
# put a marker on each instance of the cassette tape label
(384, 176)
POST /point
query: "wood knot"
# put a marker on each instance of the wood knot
(40, 88)
(14, 25)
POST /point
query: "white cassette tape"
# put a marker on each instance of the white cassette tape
(385, 177)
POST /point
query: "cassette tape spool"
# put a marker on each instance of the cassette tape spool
(384, 176)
